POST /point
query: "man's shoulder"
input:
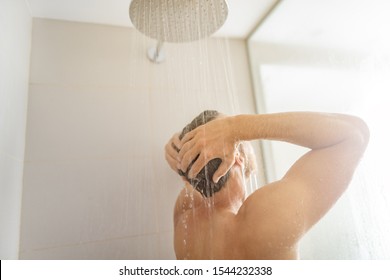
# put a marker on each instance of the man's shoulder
(265, 202)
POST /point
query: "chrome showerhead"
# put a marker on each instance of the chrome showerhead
(178, 20)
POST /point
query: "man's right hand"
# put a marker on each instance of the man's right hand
(172, 152)
(214, 139)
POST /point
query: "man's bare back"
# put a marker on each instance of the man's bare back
(212, 233)
(270, 222)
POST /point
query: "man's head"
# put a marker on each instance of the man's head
(203, 182)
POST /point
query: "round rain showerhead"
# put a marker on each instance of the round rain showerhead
(178, 20)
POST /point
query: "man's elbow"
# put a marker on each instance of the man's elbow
(361, 133)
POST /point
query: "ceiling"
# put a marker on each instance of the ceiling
(358, 25)
(243, 15)
(347, 24)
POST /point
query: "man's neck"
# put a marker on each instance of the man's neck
(232, 195)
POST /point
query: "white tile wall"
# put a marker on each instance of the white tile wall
(84, 201)
(77, 122)
(15, 30)
(99, 116)
(80, 54)
(132, 248)
(166, 246)
(11, 175)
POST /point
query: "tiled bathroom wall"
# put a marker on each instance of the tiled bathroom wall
(96, 184)
(15, 42)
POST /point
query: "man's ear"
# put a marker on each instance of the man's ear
(239, 159)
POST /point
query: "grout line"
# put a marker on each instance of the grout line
(92, 242)
(68, 160)
(73, 86)
(145, 88)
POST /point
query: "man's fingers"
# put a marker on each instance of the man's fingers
(171, 152)
(187, 137)
(170, 149)
(171, 161)
(183, 154)
(175, 148)
(198, 165)
(222, 170)
(188, 159)
(176, 142)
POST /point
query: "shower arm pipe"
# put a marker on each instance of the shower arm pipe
(156, 54)
(158, 50)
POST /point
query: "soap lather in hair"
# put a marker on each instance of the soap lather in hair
(203, 182)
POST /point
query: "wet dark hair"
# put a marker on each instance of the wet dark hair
(203, 182)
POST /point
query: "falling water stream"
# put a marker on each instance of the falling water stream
(184, 26)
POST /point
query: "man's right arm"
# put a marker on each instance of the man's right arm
(314, 182)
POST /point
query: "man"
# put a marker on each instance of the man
(219, 223)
